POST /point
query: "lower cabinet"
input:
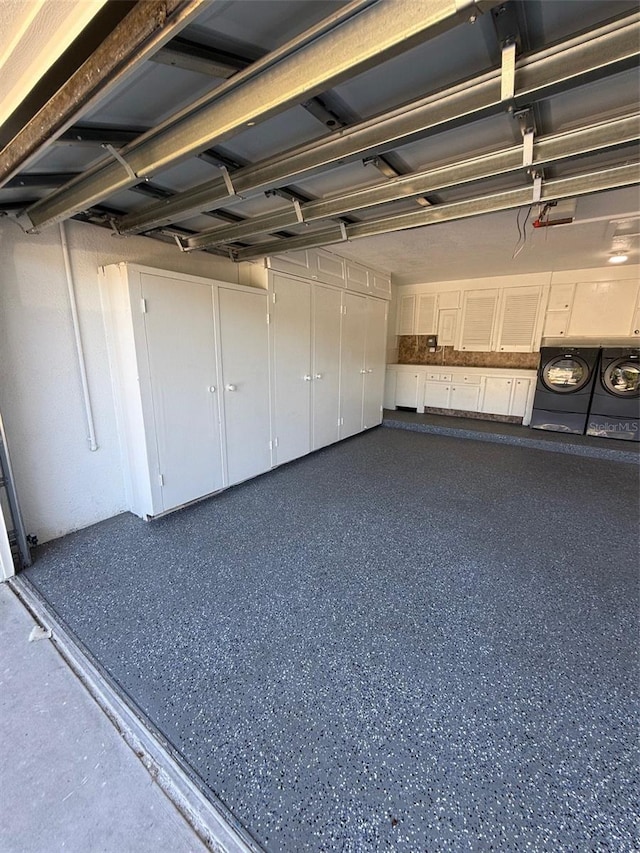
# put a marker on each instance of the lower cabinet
(460, 390)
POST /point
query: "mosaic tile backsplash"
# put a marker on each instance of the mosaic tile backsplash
(413, 349)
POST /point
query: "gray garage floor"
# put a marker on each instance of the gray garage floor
(405, 642)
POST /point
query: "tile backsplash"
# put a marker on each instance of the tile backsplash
(413, 349)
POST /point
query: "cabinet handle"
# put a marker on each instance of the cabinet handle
(307, 377)
(508, 382)
(363, 371)
(370, 370)
(318, 376)
(212, 389)
(230, 387)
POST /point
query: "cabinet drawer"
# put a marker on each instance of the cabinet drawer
(439, 377)
(470, 380)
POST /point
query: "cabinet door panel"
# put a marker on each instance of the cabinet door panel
(406, 315)
(519, 397)
(291, 351)
(465, 398)
(180, 338)
(244, 350)
(426, 322)
(353, 341)
(327, 304)
(603, 308)
(519, 319)
(478, 316)
(497, 395)
(375, 352)
(436, 395)
(407, 389)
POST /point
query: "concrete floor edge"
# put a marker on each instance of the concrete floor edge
(219, 832)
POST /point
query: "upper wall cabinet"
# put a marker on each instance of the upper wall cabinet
(426, 317)
(603, 308)
(321, 265)
(506, 320)
(406, 315)
(478, 317)
(518, 319)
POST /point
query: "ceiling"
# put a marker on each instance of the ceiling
(395, 132)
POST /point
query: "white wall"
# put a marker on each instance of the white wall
(61, 484)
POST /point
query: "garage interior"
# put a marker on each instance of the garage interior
(352, 628)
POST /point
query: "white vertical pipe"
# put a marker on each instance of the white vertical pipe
(7, 569)
(91, 437)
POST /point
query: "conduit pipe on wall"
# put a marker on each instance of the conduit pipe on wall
(91, 437)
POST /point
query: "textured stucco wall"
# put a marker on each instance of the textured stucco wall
(62, 485)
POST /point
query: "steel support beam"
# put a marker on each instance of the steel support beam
(610, 49)
(592, 182)
(356, 37)
(551, 149)
(144, 30)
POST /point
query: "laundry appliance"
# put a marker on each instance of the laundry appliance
(615, 407)
(564, 388)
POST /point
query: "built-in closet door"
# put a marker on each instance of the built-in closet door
(180, 342)
(352, 367)
(375, 357)
(327, 304)
(244, 357)
(292, 378)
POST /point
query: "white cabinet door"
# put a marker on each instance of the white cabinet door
(291, 358)
(555, 324)
(426, 319)
(352, 368)
(478, 318)
(357, 278)
(603, 308)
(330, 269)
(464, 398)
(380, 284)
(407, 388)
(497, 395)
(374, 362)
(560, 297)
(327, 315)
(518, 320)
(436, 394)
(180, 342)
(406, 315)
(244, 351)
(520, 397)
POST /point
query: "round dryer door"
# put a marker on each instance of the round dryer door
(565, 374)
(622, 378)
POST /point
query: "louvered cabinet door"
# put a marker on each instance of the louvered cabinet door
(426, 322)
(406, 315)
(518, 320)
(478, 320)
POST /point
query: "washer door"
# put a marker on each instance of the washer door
(565, 374)
(622, 378)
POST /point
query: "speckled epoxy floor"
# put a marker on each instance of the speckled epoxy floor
(405, 642)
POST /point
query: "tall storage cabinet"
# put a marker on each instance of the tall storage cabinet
(189, 365)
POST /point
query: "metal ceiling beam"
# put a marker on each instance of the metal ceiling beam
(610, 49)
(145, 29)
(356, 37)
(547, 150)
(192, 56)
(592, 182)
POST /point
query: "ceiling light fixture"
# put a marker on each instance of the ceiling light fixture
(618, 258)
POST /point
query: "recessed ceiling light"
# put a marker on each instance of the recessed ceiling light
(618, 258)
